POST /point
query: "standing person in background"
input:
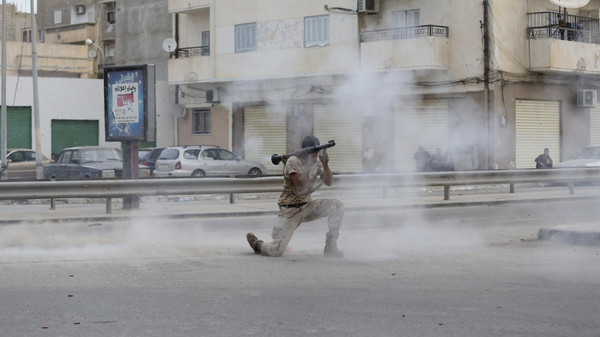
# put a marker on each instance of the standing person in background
(422, 159)
(543, 160)
(296, 206)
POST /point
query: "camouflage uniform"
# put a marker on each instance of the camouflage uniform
(296, 207)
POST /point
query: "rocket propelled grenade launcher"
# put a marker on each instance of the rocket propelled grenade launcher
(276, 159)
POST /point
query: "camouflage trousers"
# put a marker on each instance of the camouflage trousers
(289, 219)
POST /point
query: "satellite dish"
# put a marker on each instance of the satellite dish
(92, 53)
(570, 3)
(169, 44)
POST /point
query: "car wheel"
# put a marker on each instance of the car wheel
(254, 172)
(198, 173)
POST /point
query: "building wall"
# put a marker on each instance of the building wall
(218, 135)
(280, 41)
(60, 98)
(79, 99)
(141, 28)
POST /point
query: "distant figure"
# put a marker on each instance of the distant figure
(53, 157)
(422, 159)
(561, 26)
(543, 160)
(439, 162)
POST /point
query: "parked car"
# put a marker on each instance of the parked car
(21, 164)
(147, 156)
(89, 162)
(586, 157)
(201, 160)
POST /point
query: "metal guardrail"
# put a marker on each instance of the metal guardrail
(403, 33)
(575, 27)
(190, 51)
(190, 186)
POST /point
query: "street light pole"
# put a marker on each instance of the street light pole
(3, 120)
(91, 43)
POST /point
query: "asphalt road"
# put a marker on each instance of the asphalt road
(460, 271)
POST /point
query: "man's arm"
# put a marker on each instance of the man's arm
(327, 174)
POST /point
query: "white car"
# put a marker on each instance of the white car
(586, 157)
(200, 160)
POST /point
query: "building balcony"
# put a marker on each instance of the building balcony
(563, 45)
(186, 6)
(51, 58)
(189, 65)
(387, 49)
(76, 33)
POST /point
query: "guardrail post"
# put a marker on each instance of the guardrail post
(446, 192)
(571, 187)
(512, 188)
(108, 205)
(52, 204)
(231, 200)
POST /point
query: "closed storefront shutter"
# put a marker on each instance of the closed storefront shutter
(340, 123)
(18, 128)
(537, 127)
(595, 126)
(264, 134)
(419, 123)
(70, 133)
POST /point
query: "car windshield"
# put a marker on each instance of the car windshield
(100, 155)
(588, 153)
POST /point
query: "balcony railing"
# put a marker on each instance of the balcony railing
(404, 33)
(190, 51)
(553, 25)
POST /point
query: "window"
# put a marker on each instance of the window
(57, 17)
(245, 37)
(201, 122)
(226, 155)
(316, 31)
(110, 17)
(26, 35)
(403, 19)
(205, 43)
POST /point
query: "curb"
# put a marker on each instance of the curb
(575, 235)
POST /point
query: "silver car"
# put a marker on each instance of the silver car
(586, 157)
(200, 160)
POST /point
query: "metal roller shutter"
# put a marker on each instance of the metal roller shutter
(537, 127)
(341, 124)
(70, 133)
(419, 123)
(595, 126)
(18, 128)
(264, 134)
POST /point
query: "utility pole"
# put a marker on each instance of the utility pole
(39, 170)
(3, 120)
(489, 111)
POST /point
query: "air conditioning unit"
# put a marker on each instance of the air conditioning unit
(368, 6)
(80, 9)
(586, 98)
(212, 96)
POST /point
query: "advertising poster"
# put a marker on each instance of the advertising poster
(125, 109)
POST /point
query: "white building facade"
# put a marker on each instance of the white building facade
(491, 83)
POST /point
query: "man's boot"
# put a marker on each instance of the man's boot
(254, 242)
(331, 249)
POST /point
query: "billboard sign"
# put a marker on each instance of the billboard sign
(129, 103)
